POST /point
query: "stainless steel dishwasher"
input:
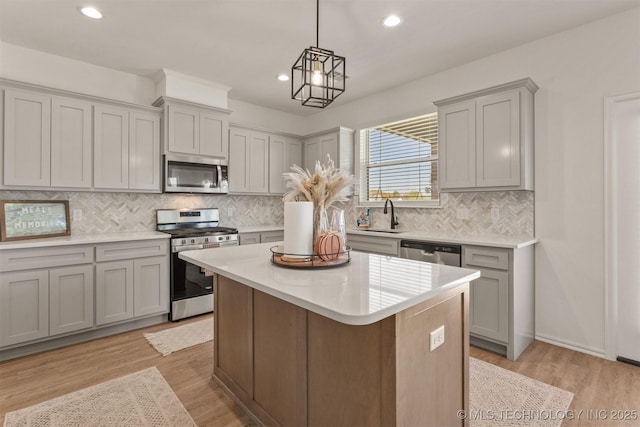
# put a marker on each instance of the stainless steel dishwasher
(437, 253)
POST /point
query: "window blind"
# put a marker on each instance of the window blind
(401, 160)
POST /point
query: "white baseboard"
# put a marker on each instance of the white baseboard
(597, 352)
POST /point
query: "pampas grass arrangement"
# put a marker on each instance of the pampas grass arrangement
(324, 187)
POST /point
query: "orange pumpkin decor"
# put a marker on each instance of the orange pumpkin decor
(328, 245)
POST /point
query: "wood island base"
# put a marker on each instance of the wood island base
(289, 366)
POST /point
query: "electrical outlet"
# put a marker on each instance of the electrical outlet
(436, 338)
(495, 214)
(462, 213)
(229, 212)
(77, 214)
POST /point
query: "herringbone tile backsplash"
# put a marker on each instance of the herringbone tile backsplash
(127, 212)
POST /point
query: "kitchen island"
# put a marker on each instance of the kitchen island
(342, 346)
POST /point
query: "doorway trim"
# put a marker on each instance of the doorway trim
(611, 223)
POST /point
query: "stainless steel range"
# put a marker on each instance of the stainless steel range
(192, 229)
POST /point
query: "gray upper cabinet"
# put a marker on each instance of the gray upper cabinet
(337, 143)
(457, 158)
(284, 152)
(195, 129)
(27, 139)
(126, 149)
(71, 143)
(63, 141)
(486, 139)
(214, 130)
(248, 161)
(144, 151)
(183, 130)
(498, 160)
(111, 148)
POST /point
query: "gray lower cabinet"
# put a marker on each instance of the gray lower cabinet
(261, 237)
(47, 302)
(272, 236)
(24, 306)
(373, 244)
(55, 292)
(489, 307)
(70, 299)
(129, 282)
(150, 286)
(501, 309)
(249, 238)
(114, 291)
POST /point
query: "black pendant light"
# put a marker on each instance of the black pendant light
(318, 76)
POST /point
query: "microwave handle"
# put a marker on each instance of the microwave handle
(219, 176)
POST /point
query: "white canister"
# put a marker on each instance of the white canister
(298, 228)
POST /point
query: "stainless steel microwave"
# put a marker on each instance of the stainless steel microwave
(192, 174)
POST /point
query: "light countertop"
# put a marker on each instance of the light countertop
(512, 242)
(367, 289)
(83, 239)
(259, 228)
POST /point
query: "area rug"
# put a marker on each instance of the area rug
(499, 397)
(141, 399)
(181, 337)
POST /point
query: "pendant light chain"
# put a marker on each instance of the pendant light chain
(318, 23)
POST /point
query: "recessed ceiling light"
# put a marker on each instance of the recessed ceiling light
(391, 21)
(91, 12)
(283, 77)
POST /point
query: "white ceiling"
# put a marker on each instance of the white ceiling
(244, 44)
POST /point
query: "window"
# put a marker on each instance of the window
(400, 162)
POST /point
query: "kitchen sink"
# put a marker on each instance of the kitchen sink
(382, 230)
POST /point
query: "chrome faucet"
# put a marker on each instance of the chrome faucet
(394, 218)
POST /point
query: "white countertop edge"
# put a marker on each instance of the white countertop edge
(83, 239)
(259, 228)
(492, 241)
(356, 320)
(379, 315)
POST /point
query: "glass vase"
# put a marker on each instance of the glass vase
(337, 224)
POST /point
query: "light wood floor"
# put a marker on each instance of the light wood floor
(597, 384)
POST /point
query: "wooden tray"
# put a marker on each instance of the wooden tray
(310, 261)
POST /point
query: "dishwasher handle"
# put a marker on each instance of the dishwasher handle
(431, 247)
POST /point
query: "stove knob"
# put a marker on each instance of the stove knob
(220, 238)
(206, 240)
(184, 242)
(193, 240)
(227, 237)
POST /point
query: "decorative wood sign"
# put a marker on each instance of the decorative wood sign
(32, 219)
